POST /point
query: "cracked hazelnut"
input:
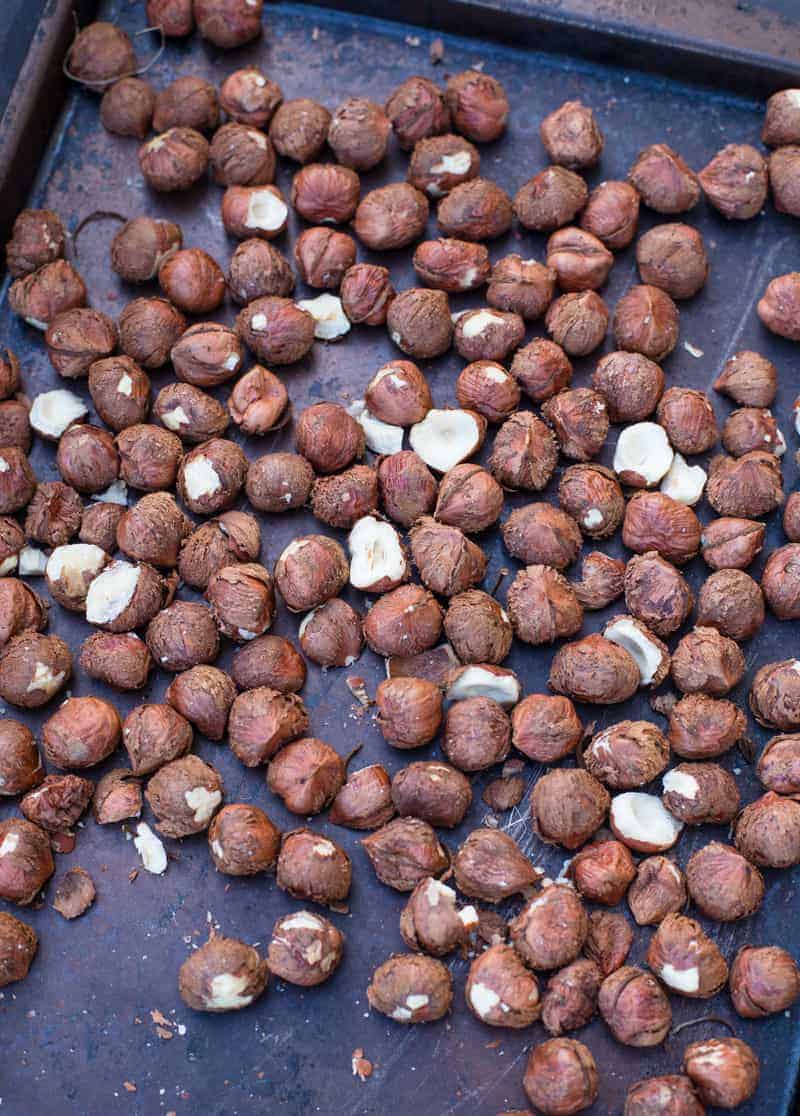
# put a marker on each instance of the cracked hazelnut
(581, 261)
(551, 199)
(224, 974)
(430, 921)
(707, 661)
(332, 634)
(26, 862)
(411, 988)
(603, 871)
(358, 133)
(763, 980)
(407, 487)
(767, 831)
(596, 670)
(477, 734)
(701, 727)
(58, 803)
(405, 851)
(602, 581)
(53, 515)
(724, 1071)
(126, 596)
(722, 883)
(440, 163)
(174, 160)
(434, 792)
(699, 793)
(269, 661)
(578, 322)
(18, 946)
(248, 96)
(627, 755)
(141, 246)
(570, 999)
(657, 594)
(149, 328)
(305, 949)
(525, 453)
(323, 256)
(307, 775)
(278, 482)
(203, 695)
(365, 800)
(685, 959)
(122, 661)
(654, 521)
(500, 990)
(409, 711)
(243, 841)
(478, 104)
(478, 209)
(311, 570)
(486, 387)
(477, 627)
(646, 321)
(69, 572)
(545, 728)
(635, 1007)
(730, 543)
(233, 537)
(673, 257)
(259, 402)
(33, 668)
(406, 621)
(20, 764)
(612, 214)
(539, 533)
(542, 606)
(182, 635)
(631, 385)
(299, 129)
(452, 265)
(490, 866)
(37, 239)
(228, 24)
(608, 941)
(567, 806)
(184, 794)
(254, 211)
(49, 291)
(261, 720)
(153, 529)
(447, 561)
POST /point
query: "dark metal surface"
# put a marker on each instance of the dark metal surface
(79, 1026)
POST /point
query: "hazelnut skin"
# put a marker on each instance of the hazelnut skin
(46, 293)
(154, 735)
(580, 260)
(305, 949)
(33, 668)
(20, 764)
(299, 129)
(664, 181)
(203, 695)
(447, 561)
(722, 883)
(390, 217)
(249, 97)
(561, 1077)
(779, 582)
(491, 866)
(702, 727)
(500, 991)
(404, 852)
(261, 720)
(409, 711)
(228, 24)
(724, 1071)
(184, 794)
(635, 1007)
(434, 792)
(733, 603)
(781, 119)
(323, 256)
(122, 661)
(608, 941)
(603, 871)
(612, 214)
(419, 323)
(243, 841)
(567, 806)
(542, 369)
(657, 594)
(477, 734)
(18, 945)
(646, 321)
(120, 391)
(545, 727)
(366, 293)
(269, 661)
(87, 458)
(365, 800)
(76, 338)
(58, 803)
(307, 774)
(142, 245)
(279, 482)
(602, 581)
(477, 627)
(341, 500)
(571, 136)
(595, 670)
(27, 862)
(478, 105)
(540, 533)
(551, 199)
(452, 265)
(763, 980)
(332, 634)
(328, 437)
(542, 606)
(656, 522)
(630, 384)
(578, 322)
(222, 961)
(673, 257)
(411, 979)
(149, 329)
(406, 487)
(486, 387)
(257, 269)
(767, 831)
(174, 160)
(658, 890)
(735, 181)
(475, 210)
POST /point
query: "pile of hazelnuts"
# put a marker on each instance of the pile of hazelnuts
(149, 505)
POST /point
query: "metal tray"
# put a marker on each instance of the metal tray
(80, 1026)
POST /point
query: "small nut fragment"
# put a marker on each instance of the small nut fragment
(74, 894)
(658, 890)
(500, 990)
(224, 974)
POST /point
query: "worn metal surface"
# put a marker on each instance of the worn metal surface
(79, 1026)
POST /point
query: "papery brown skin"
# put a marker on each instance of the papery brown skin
(586, 491)
(551, 928)
(491, 866)
(580, 260)
(58, 803)
(242, 599)
(783, 165)
(99, 524)
(405, 851)
(545, 727)
(714, 798)
(612, 214)
(365, 800)
(22, 681)
(635, 1008)
(241, 156)
(313, 867)
(627, 754)
(323, 256)
(47, 292)
(428, 171)
(182, 635)
(654, 521)
(722, 883)
(174, 160)
(149, 328)
(478, 104)
(578, 322)
(542, 368)
(86, 458)
(325, 192)
(230, 538)
(500, 990)
(203, 695)
(411, 977)
(595, 670)
(702, 727)
(419, 323)
(580, 420)
(276, 330)
(405, 621)
(279, 482)
(570, 999)
(707, 661)
(174, 17)
(477, 734)
(735, 181)
(678, 949)
(166, 793)
(539, 533)
(567, 806)
(329, 437)
(782, 119)
(630, 383)
(767, 831)
(120, 391)
(155, 734)
(228, 23)
(551, 199)
(608, 940)
(333, 634)
(775, 695)
(561, 1077)
(725, 1071)
(21, 609)
(763, 980)
(657, 594)
(37, 238)
(673, 257)
(602, 580)
(81, 733)
(571, 136)
(54, 514)
(603, 871)
(399, 393)
(469, 498)
(305, 949)
(452, 265)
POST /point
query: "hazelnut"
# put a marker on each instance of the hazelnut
(149, 328)
(249, 97)
(269, 661)
(192, 281)
(149, 457)
(366, 292)
(258, 269)
(122, 661)
(477, 734)
(243, 841)
(525, 452)
(602, 872)
(452, 265)
(724, 1071)
(561, 1077)
(228, 24)
(409, 711)
(749, 379)
(735, 181)
(750, 485)
(323, 256)
(142, 245)
(311, 570)
(174, 160)
(120, 391)
(658, 890)
(701, 727)
(673, 257)
(33, 668)
(447, 436)
(571, 136)
(646, 321)
(595, 670)
(777, 308)
(550, 199)
(182, 635)
(602, 581)
(54, 514)
(261, 720)
(37, 238)
(26, 863)
(469, 498)
(440, 163)
(358, 133)
(325, 192)
(211, 476)
(782, 119)
(568, 806)
(87, 458)
(612, 214)
(685, 959)
(184, 794)
(342, 500)
(406, 486)
(764, 980)
(12, 537)
(305, 949)
(540, 533)
(608, 941)
(20, 764)
(478, 105)
(488, 334)
(500, 990)
(752, 428)
(475, 210)
(49, 291)
(224, 974)
(74, 894)
(721, 882)
(58, 803)
(430, 921)
(707, 661)
(258, 211)
(241, 156)
(187, 102)
(490, 866)
(542, 606)
(405, 851)
(21, 609)
(688, 418)
(664, 181)
(434, 792)
(203, 695)
(9, 373)
(627, 755)
(153, 530)
(76, 338)
(69, 572)
(99, 524)
(154, 735)
(329, 437)
(447, 561)
(411, 988)
(542, 369)
(656, 522)
(581, 261)
(15, 427)
(519, 286)
(742, 619)
(630, 384)
(398, 394)
(299, 129)
(419, 323)
(783, 165)
(259, 402)
(578, 322)
(18, 481)
(307, 775)
(593, 497)
(650, 654)
(545, 728)
(478, 628)
(642, 822)
(99, 54)
(767, 831)
(331, 635)
(365, 800)
(18, 945)
(233, 537)
(486, 387)
(778, 765)
(391, 217)
(669, 1095)
(635, 1007)
(406, 621)
(279, 482)
(731, 543)
(570, 999)
(657, 594)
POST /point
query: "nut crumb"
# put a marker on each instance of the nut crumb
(436, 51)
(362, 1067)
(129, 1086)
(358, 689)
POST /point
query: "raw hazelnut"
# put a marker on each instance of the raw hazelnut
(452, 265)
(153, 530)
(233, 537)
(228, 24)
(469, 498)
(20, 764)
(724, 1071)
(120, 391)
(654, 521)
(74, 893)
(323, 256)
(731, 543)
(406, 621)
(630, 384)
(542, 606)
(33, 668)
(18, 945)
(733, 603)
(571, 136)
(358, 133)
(750, 485)
(567, 806)
(249, 97)
(366, 292)
(407, 487)
(627, 755)
(192, 281)
(99, 523)
(76, 338)
(778, 765)
(658, 890)
(125, 596)
(311, 570)
(783, 165)
(398, 394)
(37, 238)
(141, 246)
(261, 720)
(329, 437)
(749, 379)
(673, 257)
(669, 1095)
(581, 261)
(342, 500)
(99, 54)
(211, 476)
(203, 695)
(149, 457)
(701, 727)
(26, 863)
(643, 823)
(69, 572)
(608, 941)
(241, 156)
(17, 480)
(259, 211)
(570, 999)
(434, 792)
(478, 105)
(767, 831)
(685, 959)
(488, 334)
(270, 661)
(9, 374)
(612, 214)
(174, 160)
(258, 269)
(477, 734)
(87, 458)
(735, 181)
(259, 402)
(602, 581)
(545, 728)
(523, 287)
(707, 661)
(154, 735)
(491, 866)
(752, 428)
(500, 990)
(430, 921)
(447, 561)
(409, 711)
(183, 635)
(561, 1077)
(440, 163)
(722, 883)
(475, 210)
(184, 794)
(243, 841)
(777, 308)
(593, 497)
(49, 291)
(411, 988)
(405, 851)
(122, 661)
(657, 594)
(782, 119)
(325, 192)
(603, 871)
(365, 800)
(664, 181)
(688, 418)
(486, 387)
(187, 102)
(15, 427)
(419, 323)
(299, 129)
(58, 803)
(21, 609)
(305, 949)
(332, 635)
(174, 17)
(595, 670)
(391, 217)
(635, 1007)
(478, 628)
(540, 533)
(646, 321)
(149, 328)
(224, 974)
(278, 482)
(307, 775)
(764, 980)
(550, 199)
(578, 322)
(54, 514)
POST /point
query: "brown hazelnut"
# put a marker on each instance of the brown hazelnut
(249, 97)
(595, 670)
(391, 217)
(735, 181)
(550, 199)
(278, 482)
(685, 959)
(259, 402)
(749, 379)
(733, 602)
(750, 485)
(447, 561)
(721, 882)
(37, 238)
(777, 308)
(9, 373)
(411, 988)
(174, 160)
(366, 293)
(664, 181)
(542, 369)
(477, 627)
(486, 387)
(440, 163)
(570, 999)
(630, 384)
(419, 323)
(752, 428)
(469, 498)
(708, 662)
(149, 329)
(87, 458)
(409, 711)
(125, 596)
(673, 257)
(233, 537)
(434, 792)
(311, 570)
(21, 609)
(74, 893)
(571, 136)
(203, 695)
(141, 246)
(269, 661)
(477, 734)
(228, 24)
(578, 322)
(18, 945)
(669, 1095)
(523, 287)
(500, 990)
(783, 165)
(192, 281)
(405, 851)
(551, 928)
(542, 606)
(724, 1071)
(430, 921)
(243, 841)
(700, 793)
(654, 521)
(54, 514)
(183, 635)
(241, 156)
(475, 210)
(211, 476)
(27, 862)
(398, 394)
(329, 437)
(81, 733)
(299, 129)
(325, 192)
(701, 727)
(782, 119)
(365, 800)
(592, 496)
(602, 581)
(658, 890)
(779, 764)
(307, 775)
(406, 486)
(263, 719)
(69, 572)
(33, 668)
(767, 831)
(332, 634)
(98, 525)
(149, 457)
(478, 104)
(153, 530)
(581, 261)
(122, 661)
(612, 214)
(657, 594)
(358, 133)
(343, 499)
(184, 794)
(58, 803)
(635, 1007)
(561, 1077)
(491, 866)
(627, 755)
(568, 805)
(608, 941)
(764, 980)
(224, 974)
(731, 543)
(99, 54)
(258, 269)
(249, 211)
(603, 871)
(18, 482)
(20, 764)
(305, 949)
(405, 621)
(688, 418)
(187, 102)
(452, 265)
(485, 334)
(49, 291)
(540, 533)
(15, 427)
(545, 728)
(323, 256)
(646, 321)
(120, 391)
(76, 338)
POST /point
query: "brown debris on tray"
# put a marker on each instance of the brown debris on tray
(75, 893)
